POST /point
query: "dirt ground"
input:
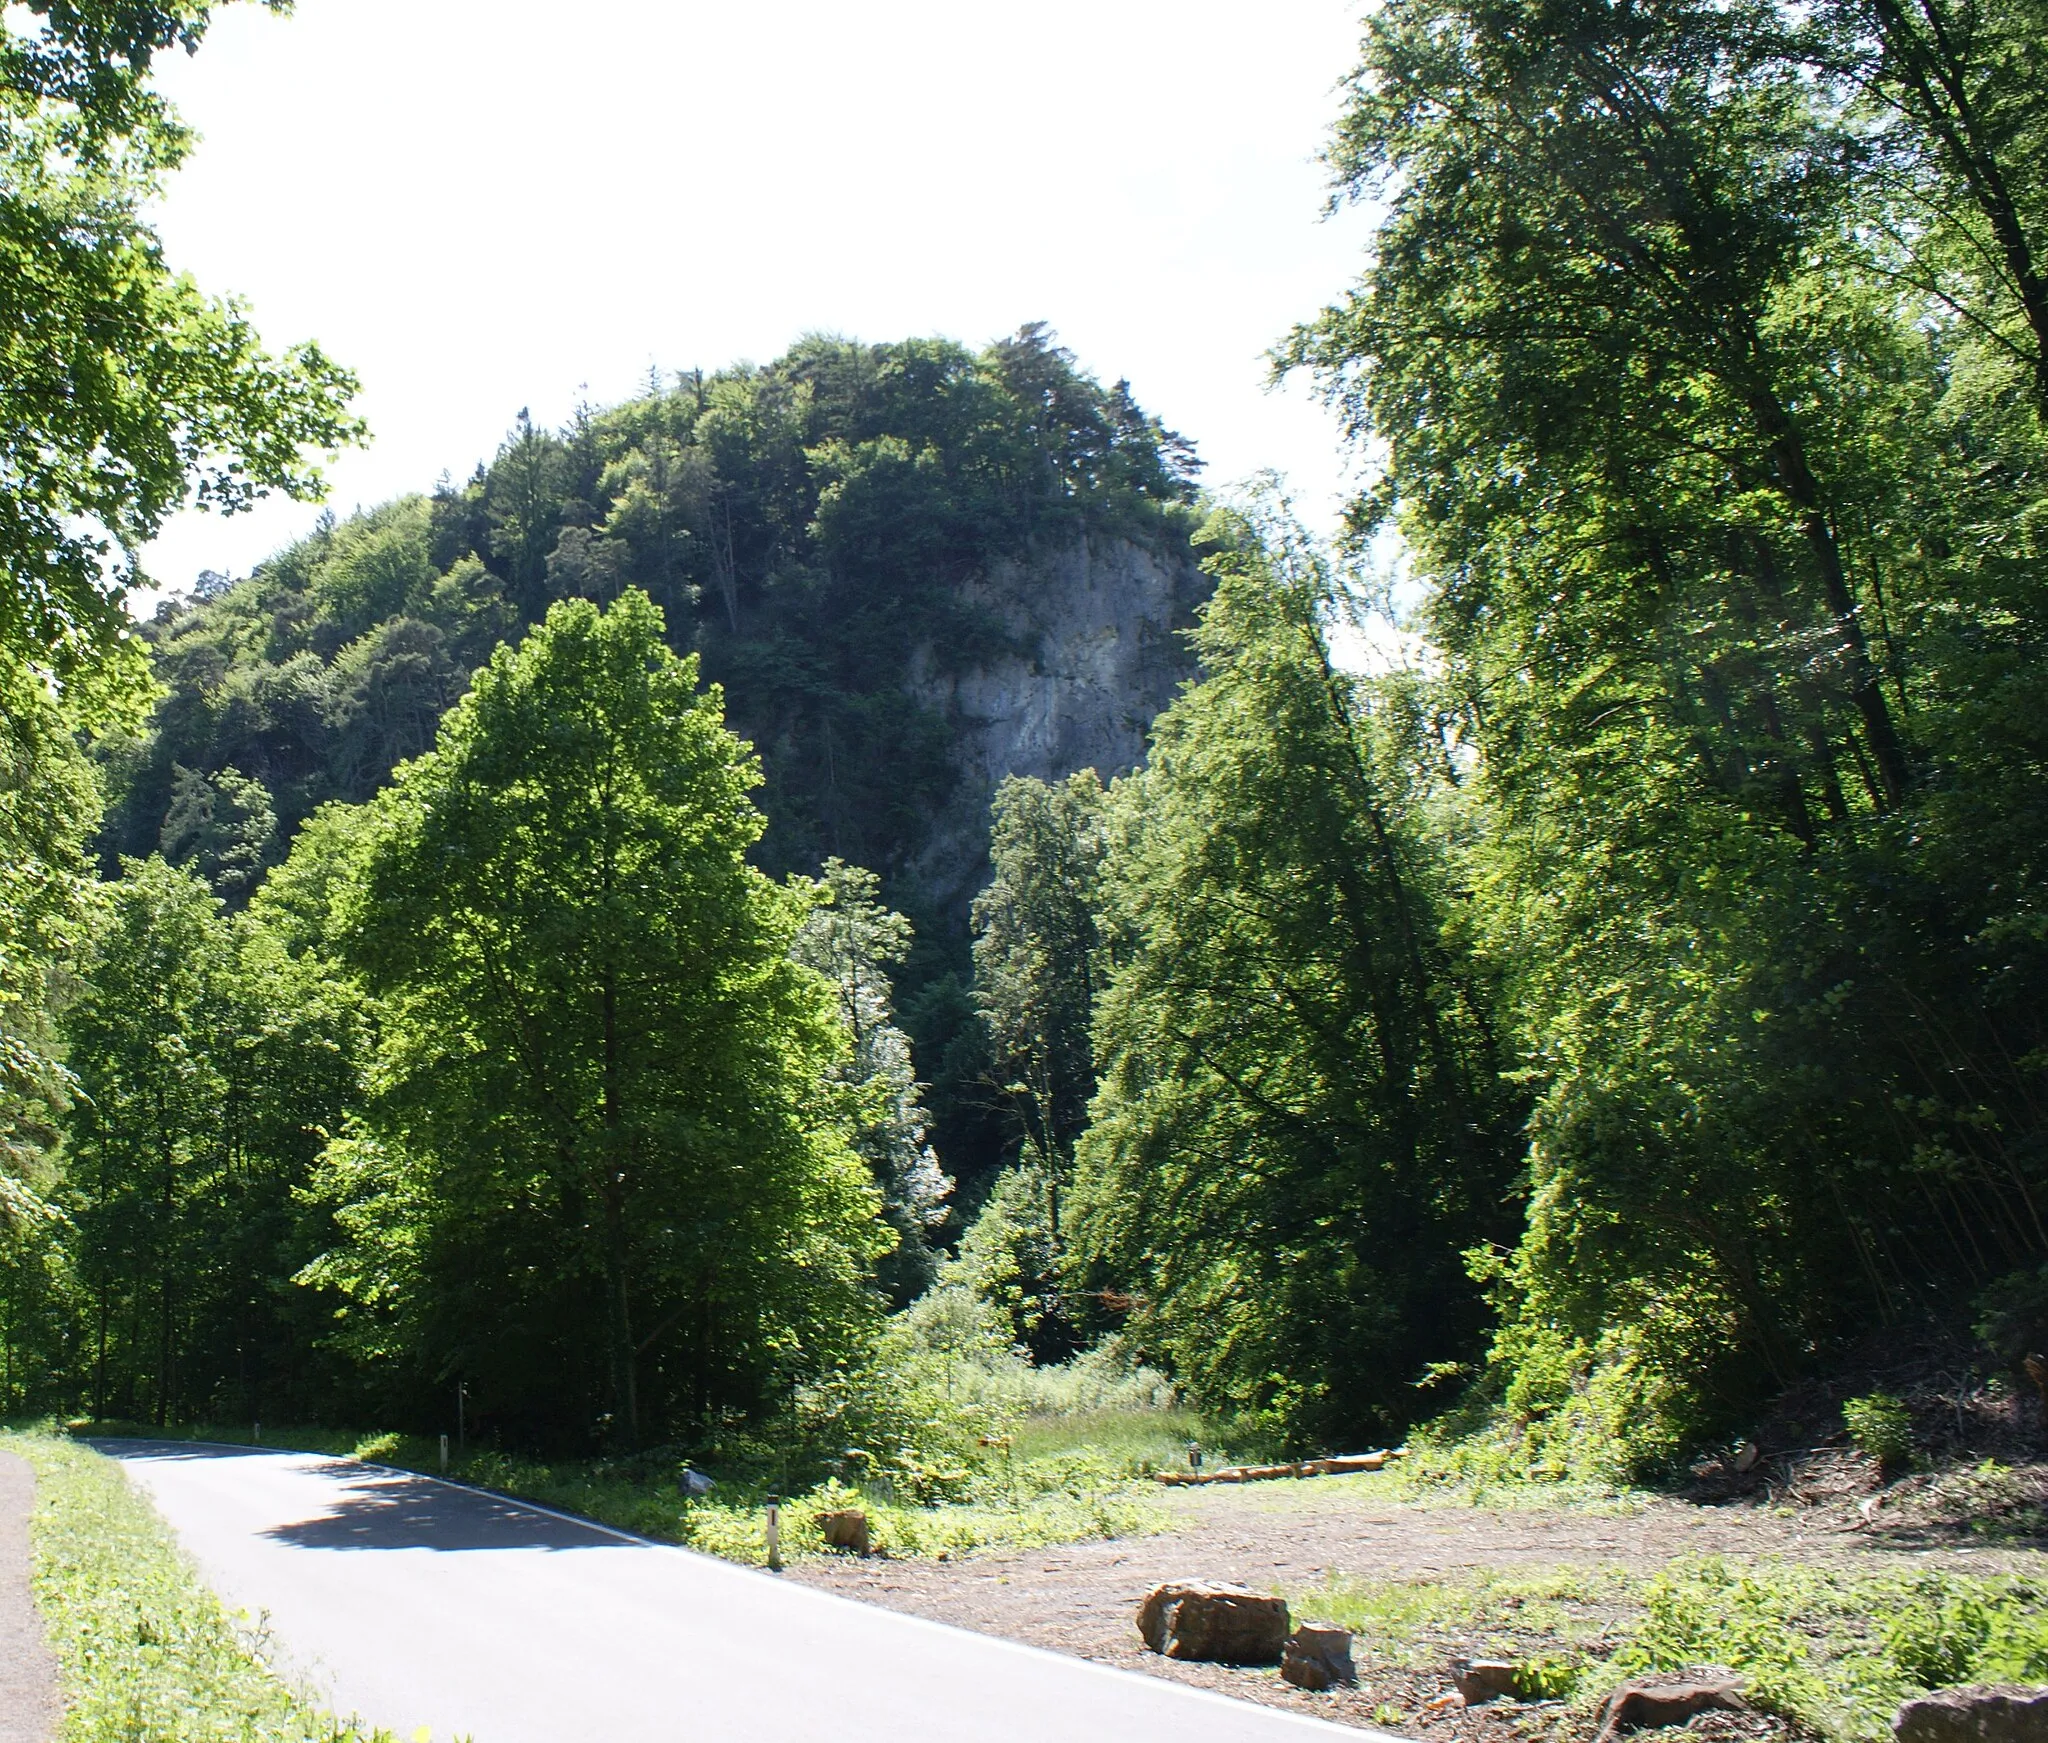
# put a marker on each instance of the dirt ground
(28, 1674)
(1083, 1598)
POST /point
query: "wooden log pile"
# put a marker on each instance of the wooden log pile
(1331, 1467)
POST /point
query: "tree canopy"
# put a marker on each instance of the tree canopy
(598, 1166)
(126, 390)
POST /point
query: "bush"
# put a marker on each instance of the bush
(2012, 1316)
(1881, 1426)
(1936, 1640)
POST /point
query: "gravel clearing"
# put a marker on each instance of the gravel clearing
(1083, 1598)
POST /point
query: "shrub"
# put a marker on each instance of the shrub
(1881, 1426)
(1935, 1641)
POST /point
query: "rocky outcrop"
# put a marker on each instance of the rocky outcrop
(1096, 649)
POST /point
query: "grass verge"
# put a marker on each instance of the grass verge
(145, 1652)
(1062, 1492)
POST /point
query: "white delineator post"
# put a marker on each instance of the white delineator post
(444, 1455)
(775, 1534)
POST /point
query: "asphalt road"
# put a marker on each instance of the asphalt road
(409, 1602)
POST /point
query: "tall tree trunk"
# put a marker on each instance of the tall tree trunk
(1802, 490)
(99, 1375)
(625, 1359)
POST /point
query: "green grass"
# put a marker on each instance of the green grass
(145, 1652)
(1141, 1440)
(1059, 1487)
(1007, 1504)
(1833, 1651)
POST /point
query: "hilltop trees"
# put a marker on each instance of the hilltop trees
(121, 384)
(807, 526)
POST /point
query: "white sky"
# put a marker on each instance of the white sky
(482, 206)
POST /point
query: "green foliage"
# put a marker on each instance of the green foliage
(125, 387)
(1300, 1123)
(142, 1647)
(1012, 1258)
(1936, 1641)
(1037, 957)
(1836, 1651)
(601, 1178)
(1881, 1426)
(211, 1062)
(809, 526)
(853, 941)
(48, 803)
(2012, 1316)
(1699, 342)
(1549, 1622)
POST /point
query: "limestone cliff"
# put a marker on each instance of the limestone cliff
(1097, 625)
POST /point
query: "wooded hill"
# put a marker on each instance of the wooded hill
(1632, 1014)
(808, 526)
(839, 535)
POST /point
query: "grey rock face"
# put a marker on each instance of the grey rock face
(1099, 627)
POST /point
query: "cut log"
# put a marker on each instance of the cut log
(1483, 1679)
(845, 1529)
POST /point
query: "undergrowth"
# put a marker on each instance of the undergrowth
(1833, 1652)
(145, 1652)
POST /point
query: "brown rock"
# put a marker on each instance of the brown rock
(845, 1529)
(1980, 1713)
(1483, 1679)
(1223, 1624)
(1317, 1657)
(1645, 1702)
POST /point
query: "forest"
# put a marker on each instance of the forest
(481, 954)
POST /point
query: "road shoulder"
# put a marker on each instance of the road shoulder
(29, 1702)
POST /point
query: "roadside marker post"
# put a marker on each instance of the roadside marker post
(775, 1534)
(444, 1455)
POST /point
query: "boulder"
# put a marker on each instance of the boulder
(1980, 1713)
(845, 1529)
(1224, 1624)
(1483, 1679)
(1317, 1657)
(1646, 1702)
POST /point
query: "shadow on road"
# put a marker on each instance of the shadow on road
(385, 1509)
(118, 1448)
(393, 1511)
